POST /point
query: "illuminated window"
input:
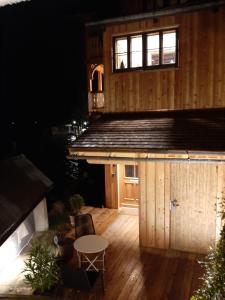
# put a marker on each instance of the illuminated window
(136, 51)
(151, 50)
(169, 47)
(121, 53)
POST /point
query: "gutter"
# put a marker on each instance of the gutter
(151, 159)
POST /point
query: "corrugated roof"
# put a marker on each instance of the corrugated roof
(202, 130)
(22, 187)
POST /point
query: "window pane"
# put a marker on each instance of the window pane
(169, 47)
(129, 171)
(136, 51)
(152, 49)
(136, 171)
(121, 53)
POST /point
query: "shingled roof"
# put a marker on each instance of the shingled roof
(202, 130)
(22, 187)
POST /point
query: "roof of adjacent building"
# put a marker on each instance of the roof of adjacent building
(22, 187)
(202, 130)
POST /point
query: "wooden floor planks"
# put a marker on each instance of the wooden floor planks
(132, 274)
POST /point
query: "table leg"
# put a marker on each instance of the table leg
(79, 259)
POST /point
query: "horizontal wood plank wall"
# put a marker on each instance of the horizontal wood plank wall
(157, 180)
(198, 82)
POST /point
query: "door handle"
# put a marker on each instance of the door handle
(173, 204)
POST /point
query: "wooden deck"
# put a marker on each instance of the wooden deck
(132, 274)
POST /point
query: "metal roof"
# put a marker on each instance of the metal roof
(202, 130)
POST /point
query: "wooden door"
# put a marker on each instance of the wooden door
(193, 207)
(129, 186)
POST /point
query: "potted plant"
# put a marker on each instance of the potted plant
(75, 203)
(41, 271)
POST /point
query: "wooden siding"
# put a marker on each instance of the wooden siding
(195, 224)
(111, 186)
(198, 82)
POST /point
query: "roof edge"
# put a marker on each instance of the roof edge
(154, 14)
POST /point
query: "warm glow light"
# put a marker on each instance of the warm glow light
(121, 53)
(153, 49)
(136, 51)
(169, 47)
(12, 278)
(7, 251)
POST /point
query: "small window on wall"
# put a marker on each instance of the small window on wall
(131, 171)
(121, 53)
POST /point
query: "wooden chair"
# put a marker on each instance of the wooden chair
(84, 225)
(78, 279)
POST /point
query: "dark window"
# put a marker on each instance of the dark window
(95, 82)
(158, 49)
(131, 171)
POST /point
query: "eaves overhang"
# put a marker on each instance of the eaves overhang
(155, 14)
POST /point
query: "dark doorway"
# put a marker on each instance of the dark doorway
(92, 183)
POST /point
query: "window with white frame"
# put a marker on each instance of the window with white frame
(148, 50)
(131, 171)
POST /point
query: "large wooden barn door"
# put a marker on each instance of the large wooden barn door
(193, 198)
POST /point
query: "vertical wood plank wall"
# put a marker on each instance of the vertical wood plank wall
(156, 181)
(198, 82)
(154, 204)
(111, 186)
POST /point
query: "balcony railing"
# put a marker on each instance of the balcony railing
(96, 101)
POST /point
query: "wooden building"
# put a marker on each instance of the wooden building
(157, 98)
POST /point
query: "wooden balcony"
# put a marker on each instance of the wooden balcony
(96, 101)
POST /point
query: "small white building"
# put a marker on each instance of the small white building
(23, 208)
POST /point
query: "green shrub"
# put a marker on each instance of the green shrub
(213, 286)
(41, 271)
(75, 203)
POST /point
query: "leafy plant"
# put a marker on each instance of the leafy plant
(213, 287)
(41, 270)
(75, 203)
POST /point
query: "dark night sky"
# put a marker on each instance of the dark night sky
(42, 67)
(42, 63)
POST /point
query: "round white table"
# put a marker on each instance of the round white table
(91, 244)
